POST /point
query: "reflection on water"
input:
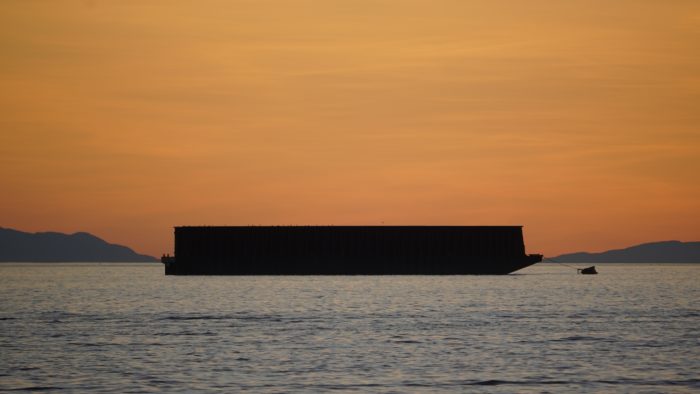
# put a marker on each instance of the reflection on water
(125, 327)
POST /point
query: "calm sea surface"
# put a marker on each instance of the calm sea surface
(129, 328)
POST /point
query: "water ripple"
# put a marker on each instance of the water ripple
(115, 329)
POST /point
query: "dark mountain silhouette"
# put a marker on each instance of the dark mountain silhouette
(654, 252)
(18, 246)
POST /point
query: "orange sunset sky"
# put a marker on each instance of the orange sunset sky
(578, 119)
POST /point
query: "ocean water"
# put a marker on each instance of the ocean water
(129, 328)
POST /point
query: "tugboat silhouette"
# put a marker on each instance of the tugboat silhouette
(587, 271)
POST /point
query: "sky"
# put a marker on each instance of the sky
(579, 120)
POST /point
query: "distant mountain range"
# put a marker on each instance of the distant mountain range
(18, 246)
(654, 252)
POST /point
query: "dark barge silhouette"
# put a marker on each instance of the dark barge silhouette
(348, 250)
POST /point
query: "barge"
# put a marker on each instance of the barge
(348, 250)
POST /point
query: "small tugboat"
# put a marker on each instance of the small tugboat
(588, 271)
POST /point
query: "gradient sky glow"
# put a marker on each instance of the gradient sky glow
(578, 119)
